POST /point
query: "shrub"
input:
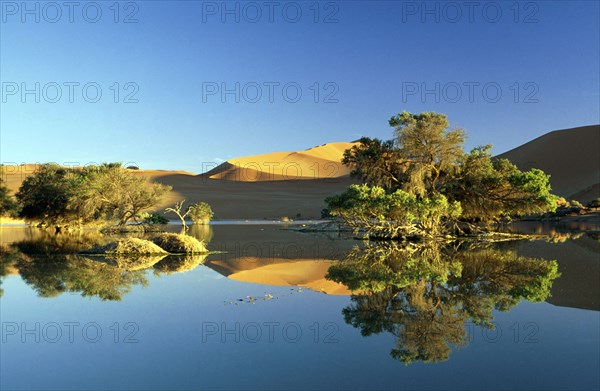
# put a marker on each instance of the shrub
(576, 204)
(200, 213)
(594, 203)
(153, 218)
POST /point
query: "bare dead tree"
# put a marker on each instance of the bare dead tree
(177, 210)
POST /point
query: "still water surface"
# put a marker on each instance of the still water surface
(279, 309)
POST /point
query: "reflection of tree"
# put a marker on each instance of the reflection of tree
(8, 260)
(51, 276)
(65, 243)
(48, 264)
(424, 295)
(202, 232)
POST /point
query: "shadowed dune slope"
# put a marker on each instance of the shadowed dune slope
(570, 156)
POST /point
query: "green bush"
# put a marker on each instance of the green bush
(153, 218)
(200, 213)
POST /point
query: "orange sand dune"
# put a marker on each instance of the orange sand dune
(570, 156)
(320, 162)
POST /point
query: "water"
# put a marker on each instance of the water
(261, 314)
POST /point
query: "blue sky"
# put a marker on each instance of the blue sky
(506, 72)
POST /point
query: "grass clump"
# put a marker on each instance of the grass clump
(127, 246)
(178, 243)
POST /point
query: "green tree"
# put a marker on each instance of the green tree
(392, 215)
(59, 196)
(376, 163)
(118, 194)
(8, 205)
(430, 148)
(46, 196)
(200, 213)
(489, 188)
(433, 183)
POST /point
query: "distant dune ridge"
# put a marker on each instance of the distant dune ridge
(295, 184)
(570, 156)
(320, 162)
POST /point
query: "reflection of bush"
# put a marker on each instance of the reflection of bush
(179, 263)
(128, 262)
(60, 244)
(423, 295)
(127, 246)
(202, 232)
(53, 275)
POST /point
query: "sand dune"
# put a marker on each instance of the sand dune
(320, 162)
(570, 156)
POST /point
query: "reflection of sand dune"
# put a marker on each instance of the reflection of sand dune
(280, 272)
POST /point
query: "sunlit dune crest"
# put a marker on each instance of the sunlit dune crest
(320, 162)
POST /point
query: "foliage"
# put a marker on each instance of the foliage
(153, 218)
(118, 194)
(399, 214)
(488, 188)
(376, 163)
(425, 295)
(595, 203)
(200, 213)
(425, 168)
(8, 205)
(47, 196)
(428, 147)
(58, 196)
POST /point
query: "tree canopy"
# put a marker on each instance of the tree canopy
(8, 205)
(425, 172)
(60, 196)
